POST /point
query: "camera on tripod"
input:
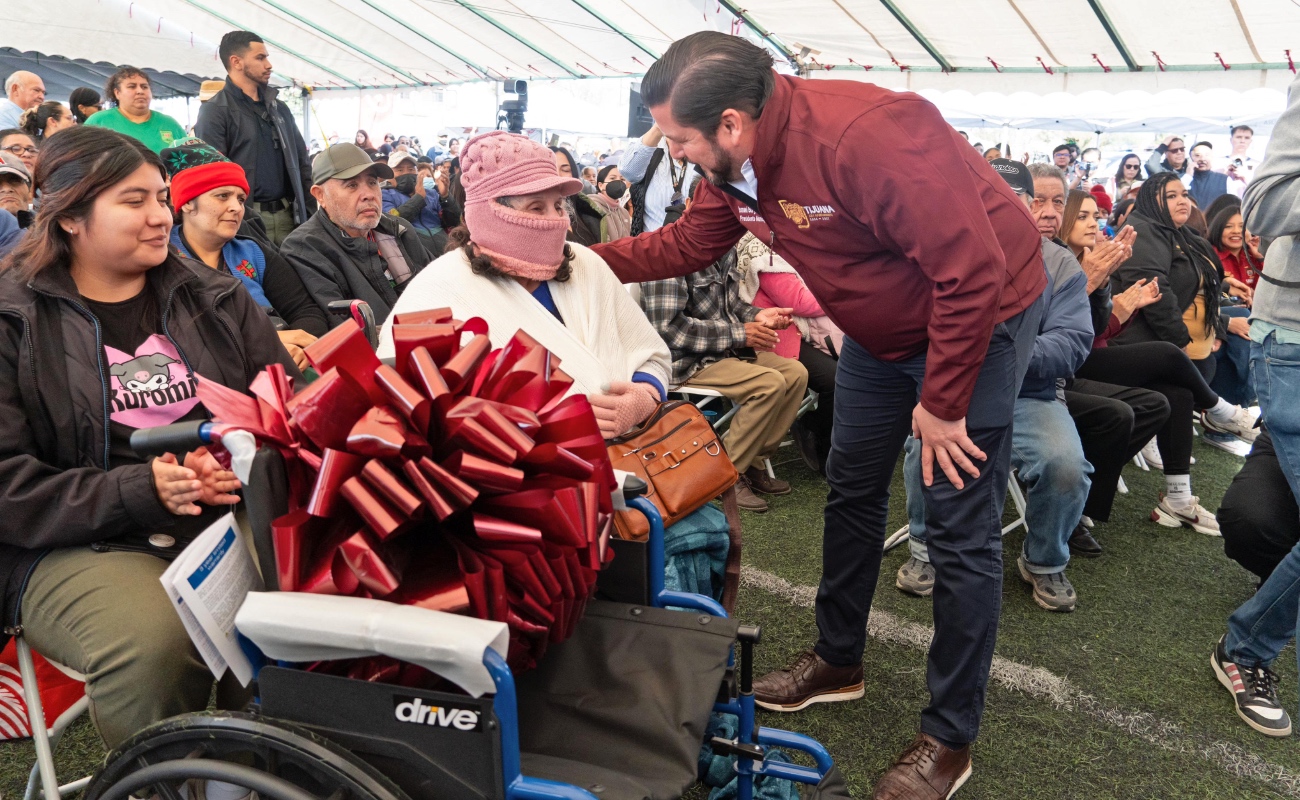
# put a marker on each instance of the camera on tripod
(513, 108)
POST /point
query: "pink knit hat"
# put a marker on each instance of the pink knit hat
(501, 164)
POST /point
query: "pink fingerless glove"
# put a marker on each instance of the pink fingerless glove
(625, 405)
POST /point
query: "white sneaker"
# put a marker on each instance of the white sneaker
(1194, 516)
(1242, 424)
(1151, 455)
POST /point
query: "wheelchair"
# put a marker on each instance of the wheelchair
(616, 712)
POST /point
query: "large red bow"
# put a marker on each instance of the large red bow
(461, 479)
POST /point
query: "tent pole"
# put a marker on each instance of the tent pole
(306, 115)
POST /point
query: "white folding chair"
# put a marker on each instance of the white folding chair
(47, 738)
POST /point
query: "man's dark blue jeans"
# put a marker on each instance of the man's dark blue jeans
(873, 411)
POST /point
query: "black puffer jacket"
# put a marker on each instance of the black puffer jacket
(55, 488)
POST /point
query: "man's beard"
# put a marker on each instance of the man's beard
(265, 80)
(724, 166)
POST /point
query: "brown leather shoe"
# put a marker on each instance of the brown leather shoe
(760, 481)
(746, 499)
(926, 770)
(808, 680)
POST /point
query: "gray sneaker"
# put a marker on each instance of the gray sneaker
(1051, 591)
(916, 577)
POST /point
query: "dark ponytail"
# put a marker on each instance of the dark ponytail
(35, 120)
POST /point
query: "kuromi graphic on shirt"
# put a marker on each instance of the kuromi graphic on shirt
(151, 386)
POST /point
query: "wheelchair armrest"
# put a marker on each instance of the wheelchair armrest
(633, 486)
(361, 313)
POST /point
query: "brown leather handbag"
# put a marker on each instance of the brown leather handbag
(679, 455)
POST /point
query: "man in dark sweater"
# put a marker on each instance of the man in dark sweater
(1206, 185)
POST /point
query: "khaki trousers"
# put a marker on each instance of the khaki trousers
(768, 392)
(106, 616)
(278, 224)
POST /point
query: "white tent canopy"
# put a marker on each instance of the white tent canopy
(971, 45)
(1213, 110)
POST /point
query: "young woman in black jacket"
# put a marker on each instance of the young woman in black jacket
(103, 330)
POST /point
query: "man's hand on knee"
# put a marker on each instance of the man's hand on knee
(946, 442)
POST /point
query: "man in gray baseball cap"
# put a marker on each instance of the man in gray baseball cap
(15, 201)
(350, 249)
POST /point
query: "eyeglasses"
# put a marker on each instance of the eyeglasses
(1176, 150)
(19, 150)
(1131, 166)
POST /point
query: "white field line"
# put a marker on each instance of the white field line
(1059, 692)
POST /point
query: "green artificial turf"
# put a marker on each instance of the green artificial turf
(1156, 724)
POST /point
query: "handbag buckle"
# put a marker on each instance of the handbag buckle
(676, 462)
(714, 444)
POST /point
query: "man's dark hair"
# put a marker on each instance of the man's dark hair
(707, 73)
(1059, 148)
(235, 43)
(115, 80)
(1198, 144)
(1236, 128)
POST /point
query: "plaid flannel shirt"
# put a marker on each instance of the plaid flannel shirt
(701, 316)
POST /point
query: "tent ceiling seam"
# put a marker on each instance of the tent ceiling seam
(667, 36)
(1245, 29)
(615, 28)
(867, 30)
(917, 35)
(508, 60)
(340, 40)
(1109, 27)
(1034, 31)
(544, 23)
(743, 16)
(274, 43)
(423, 35)
(501, 27)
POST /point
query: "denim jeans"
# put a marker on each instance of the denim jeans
(1047, 453)
(873, 409)
(1232, 372)
(1275, 373)
(1264, 624)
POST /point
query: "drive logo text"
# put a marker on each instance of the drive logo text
(447, 715)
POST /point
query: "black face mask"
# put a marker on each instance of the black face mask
(405, 183)
(615, 189)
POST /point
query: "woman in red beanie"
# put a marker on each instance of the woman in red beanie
(208, 192)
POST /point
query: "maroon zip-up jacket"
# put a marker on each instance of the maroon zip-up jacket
(907, 237)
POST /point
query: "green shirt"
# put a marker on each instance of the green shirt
(157, 132)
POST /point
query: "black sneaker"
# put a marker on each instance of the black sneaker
(1255, 691)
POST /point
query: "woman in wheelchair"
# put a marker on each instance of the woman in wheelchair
(102, 331)
(208, 192)
(509, 264)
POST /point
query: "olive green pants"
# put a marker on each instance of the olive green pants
(106, 616)
(278, 224)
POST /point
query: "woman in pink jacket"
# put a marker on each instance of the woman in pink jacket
(770, 282)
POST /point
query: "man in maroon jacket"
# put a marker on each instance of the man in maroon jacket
(932, 267)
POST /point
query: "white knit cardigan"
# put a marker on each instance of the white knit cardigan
(605, 336)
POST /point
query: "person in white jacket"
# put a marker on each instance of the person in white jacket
(512, 267)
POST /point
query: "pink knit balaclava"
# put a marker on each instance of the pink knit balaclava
(501, 164)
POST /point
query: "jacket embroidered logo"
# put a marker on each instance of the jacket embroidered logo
(805, 216)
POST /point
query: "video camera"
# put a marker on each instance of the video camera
(512, 109)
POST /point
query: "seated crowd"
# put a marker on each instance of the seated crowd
(138, 256)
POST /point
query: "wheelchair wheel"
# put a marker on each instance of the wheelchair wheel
(288, 762)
